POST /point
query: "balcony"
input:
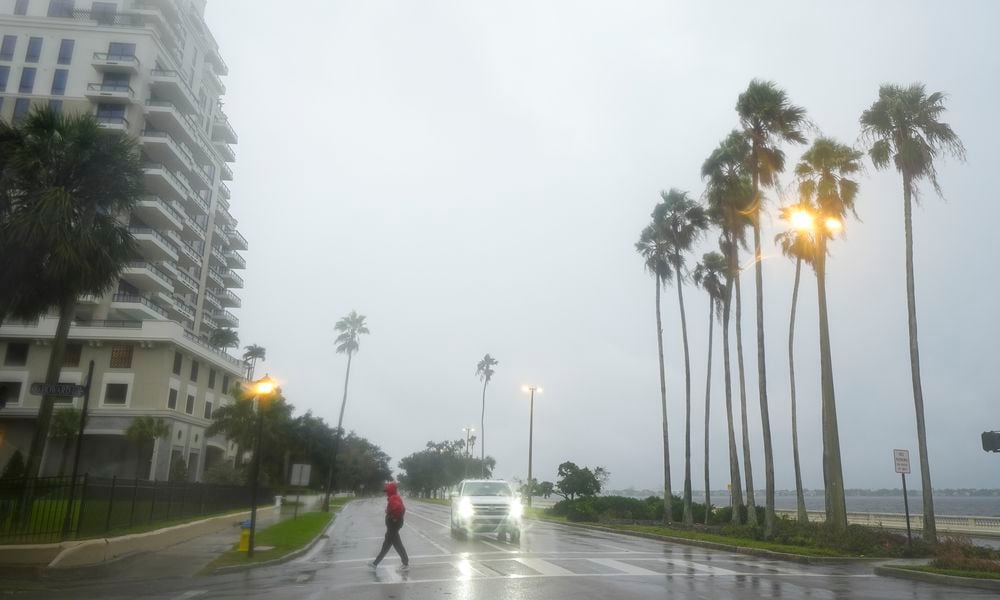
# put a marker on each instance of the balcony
(227, 172)
(196, 204)
(152, 245)
(115, 63)
(185, 284)
(160, 181)
(170, 85)
(222, 131)
(165, 116)
(232, 280)
(224, 191)
(208, 321)
(217, 276)
(137, 307)
(110, 92)
(225, 151)
(213, 78)
(178, 307)
(228, 299)
(117, 124)
(236, 240)
(225, 318)
(157, 213)
(147, 277)
(218, 257)
(235, 261)
(162, 148)
(213, 302)
(192, 232)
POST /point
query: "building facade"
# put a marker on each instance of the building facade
(150, 69)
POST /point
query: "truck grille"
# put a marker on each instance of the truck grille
(491, 510)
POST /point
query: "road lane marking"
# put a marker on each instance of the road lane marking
(687, 564)
(500, 548)
(544, 567)
(420, 516)
(191, 594)
(623, 567)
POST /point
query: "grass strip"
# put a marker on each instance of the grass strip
(951, 572)
(438, 501)
(285, 537)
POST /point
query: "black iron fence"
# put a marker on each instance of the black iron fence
(51, 509)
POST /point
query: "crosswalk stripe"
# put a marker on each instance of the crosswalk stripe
(623, 567)
(686, 564)
(544, 567)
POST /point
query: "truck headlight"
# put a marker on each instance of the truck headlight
(516, 509)
(465, 509)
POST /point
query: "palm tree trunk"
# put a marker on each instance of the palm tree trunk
(482, 435)
(735, 487)
(836, 504)
(687, 516)
(667, 493)
(51, 377)
(930, 525)
(747, 463)
(708, 403)
(800, 500)
(765, 413)
(339, 434)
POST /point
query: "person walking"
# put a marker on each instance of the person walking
(394, 511)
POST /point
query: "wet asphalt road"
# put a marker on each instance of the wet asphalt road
(552, 563)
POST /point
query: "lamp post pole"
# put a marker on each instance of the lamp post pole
(531, 435)
(263, 388)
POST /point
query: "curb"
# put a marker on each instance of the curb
(797, 558)
(924, 577)
(281, 559)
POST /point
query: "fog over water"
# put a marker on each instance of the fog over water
(473, 176)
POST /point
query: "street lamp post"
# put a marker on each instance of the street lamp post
(263, 390)
(531, 389)
(468, 453)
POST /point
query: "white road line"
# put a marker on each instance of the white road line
(495, 547)
(191, 594)
(544, 567)
(623, 567)
(686, 564)
(420, 516)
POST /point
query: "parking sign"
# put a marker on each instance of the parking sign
(902, 460)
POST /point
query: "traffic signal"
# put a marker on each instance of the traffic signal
(991, 441)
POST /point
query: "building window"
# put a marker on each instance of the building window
(189, 409)
(21, 7)
(34, 50)
(4, 76)
(121, 356)
(27, 80)
(61, 8)
(116, 394)
(10, 391)
(172, 399)
(117, 81)
(225, 384)
(178, 361)
(194, 371)
(208, 410)
(104, 12)
(17, 355)
(7, 47)
(119, 50)
(211, 379)
(21, 106)
(66, 51)
(59, 82)
(71, 356)
(56, 106)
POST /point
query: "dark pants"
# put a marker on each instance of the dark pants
(392, 527)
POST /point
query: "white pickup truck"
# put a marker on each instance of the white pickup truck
(486, 506)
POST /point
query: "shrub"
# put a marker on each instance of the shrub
(225, 474)
(15, 468)
(178, 471)
(958, 553)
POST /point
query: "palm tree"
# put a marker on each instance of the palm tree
(823, 176)
(485, 372)
(798, 245)
(143, 431)
(904, 129)
(768, 119)
(729, 195)
(65, 184)
(251, 356)
(681, 222)
(235, 421)
(709, 275)
(652, 248)
(348, 341)
(224, 338)
(65, 426)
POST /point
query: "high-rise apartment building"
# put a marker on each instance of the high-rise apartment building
(151, 69)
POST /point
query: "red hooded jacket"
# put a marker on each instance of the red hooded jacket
(394, 506)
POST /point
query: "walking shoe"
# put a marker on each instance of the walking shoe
(404, 569)
(372, 565)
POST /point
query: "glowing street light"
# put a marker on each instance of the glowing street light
(264, 390)
(834, 225)
(531, 389)
(802, 220)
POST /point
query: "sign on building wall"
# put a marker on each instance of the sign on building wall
(61, 390)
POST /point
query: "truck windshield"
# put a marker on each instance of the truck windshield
(486, 488)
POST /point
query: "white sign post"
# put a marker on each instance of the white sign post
(300, 478)
(902, 460)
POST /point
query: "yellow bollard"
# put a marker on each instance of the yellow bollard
(244, 540)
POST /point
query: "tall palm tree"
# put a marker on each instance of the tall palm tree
(709, 275)
(824, 180)
(350, 329)
(224, 338)
(252, 354)
(652, 248)
(798, 245)
(485, 372)
(144, 431)
(729, 196)
(768, 120)
(65, 426)
(65, 182)
(905, 130)
(682, 222)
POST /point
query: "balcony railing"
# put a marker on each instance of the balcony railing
(124, 298)
(111, 88)
(235, 261)
(168, 207)
(236, 278)
(156, 235)
(127, 59)
(235, 361)
(112, 120)
(232, 233)
(224, 189)
(188, 280)
(140, 264)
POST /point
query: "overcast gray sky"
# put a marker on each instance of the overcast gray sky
(472, 177)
